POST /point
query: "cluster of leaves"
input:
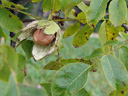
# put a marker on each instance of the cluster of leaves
(72, 74)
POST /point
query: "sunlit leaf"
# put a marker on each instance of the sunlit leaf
(96, 11)
(124, 35)
(83, 7)
(117, 17)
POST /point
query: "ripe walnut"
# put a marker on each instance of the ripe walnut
(41, 38)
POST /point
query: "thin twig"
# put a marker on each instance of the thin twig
(38, 18)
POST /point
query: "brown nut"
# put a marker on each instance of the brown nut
(41, 38)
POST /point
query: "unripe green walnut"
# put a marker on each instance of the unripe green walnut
(41, 38)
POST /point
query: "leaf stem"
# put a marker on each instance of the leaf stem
(38, 18)
(110, 52)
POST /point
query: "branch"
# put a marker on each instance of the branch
(125, 26)
(38, 18)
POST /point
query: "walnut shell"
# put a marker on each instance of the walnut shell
(41, 38)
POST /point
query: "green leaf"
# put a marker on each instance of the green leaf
(95, 54)
(115, 72)
(21, 61)
(9, 56)
(124, 55)
(112, 42)
(127, 17)
(81, 17)
(10, 21)
(56, 6)
(67, 77)
(12, 89)
(67, 5)
(72, 29)
(21, 67)
(32, 91)
(47, 87)
(124, 35)
(82, 36)
(83, 7)
(56, 65)
(108, 71)
(10, 61)
(3, 87)
(117, 17)
(3, 34)
(103, 37)
(27, 47)
(82, 92)
(96, 11)
(47, 5)
(36, 0)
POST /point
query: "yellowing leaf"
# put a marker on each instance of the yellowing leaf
(82, 36)
(113, 32)
(82, 17)
(36, 0)
(72, 29)
(103, 37)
